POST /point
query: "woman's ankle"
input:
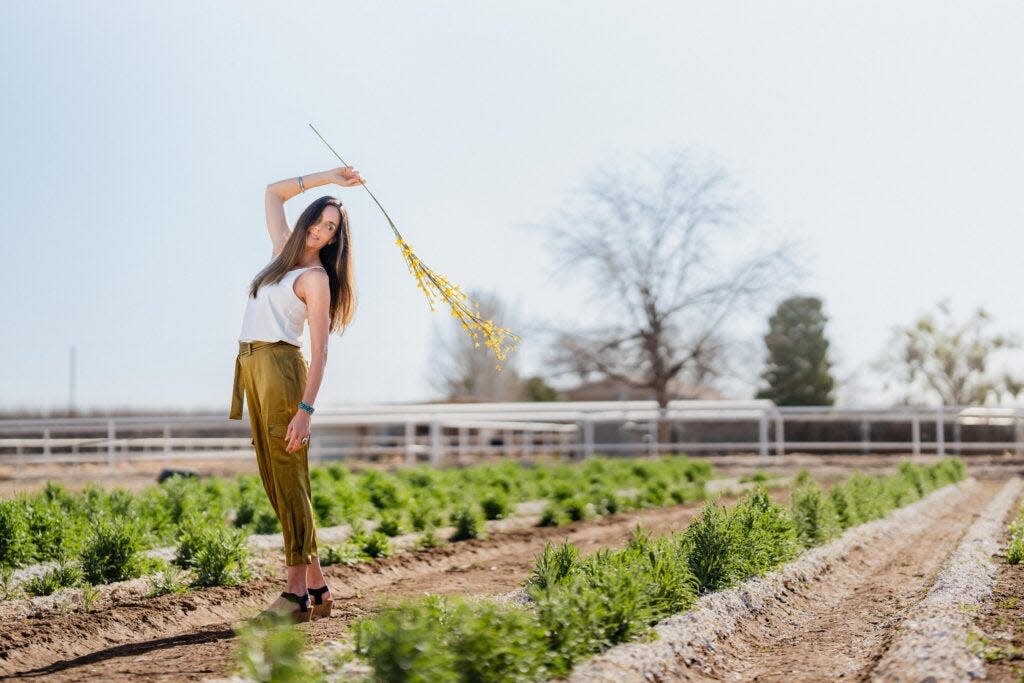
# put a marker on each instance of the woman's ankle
(295, 579)
(314, 576)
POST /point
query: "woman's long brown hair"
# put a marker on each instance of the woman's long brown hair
(335, 257)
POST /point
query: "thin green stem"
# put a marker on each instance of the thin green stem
(346, 164)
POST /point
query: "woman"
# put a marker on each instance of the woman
(309, 278)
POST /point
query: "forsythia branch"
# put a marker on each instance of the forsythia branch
(432, 284)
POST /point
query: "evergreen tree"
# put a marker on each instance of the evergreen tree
(798, 370)
(536, 389)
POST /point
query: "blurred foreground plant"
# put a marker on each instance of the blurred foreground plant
(271, 650)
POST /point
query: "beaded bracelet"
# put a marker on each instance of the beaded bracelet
(305, 406)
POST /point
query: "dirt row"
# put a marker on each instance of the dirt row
(998, 633)
(844, 626)
(832, 614)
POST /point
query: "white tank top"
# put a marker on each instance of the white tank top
(277, 313)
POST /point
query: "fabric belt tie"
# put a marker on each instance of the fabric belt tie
(237, 391)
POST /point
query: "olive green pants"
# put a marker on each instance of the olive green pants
(272, 375)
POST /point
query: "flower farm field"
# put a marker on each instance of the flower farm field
(815, 576)
(137, 475)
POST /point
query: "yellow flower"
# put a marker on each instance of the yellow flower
(433, 284)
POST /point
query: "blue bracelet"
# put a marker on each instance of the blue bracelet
(305, 406)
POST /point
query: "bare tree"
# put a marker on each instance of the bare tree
(939, 356)
(463, 371)
(661, 254)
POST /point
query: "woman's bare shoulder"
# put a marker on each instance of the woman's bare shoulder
(312, 280)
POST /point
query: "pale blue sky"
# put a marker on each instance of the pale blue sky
(138, 137)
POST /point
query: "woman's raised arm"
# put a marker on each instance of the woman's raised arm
(283, 190)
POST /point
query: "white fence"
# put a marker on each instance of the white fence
(453, 433)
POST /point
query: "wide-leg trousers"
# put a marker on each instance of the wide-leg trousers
(272, 375)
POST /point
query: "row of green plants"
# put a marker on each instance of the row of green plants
(209, 553)
(99, 537)
(582, 606)
(1015, 544)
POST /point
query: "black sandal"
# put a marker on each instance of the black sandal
(299, 614)
(320, 608)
